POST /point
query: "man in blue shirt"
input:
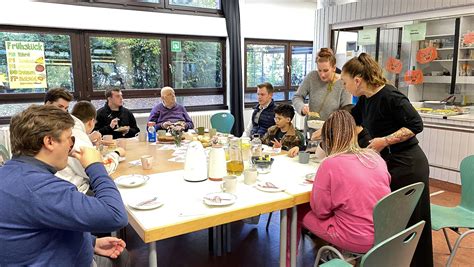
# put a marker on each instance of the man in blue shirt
(44, 220)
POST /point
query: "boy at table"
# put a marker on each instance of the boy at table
(44, 220)
(84, 115)
(283, 134)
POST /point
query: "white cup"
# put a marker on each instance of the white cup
(141, 136)
(250, 176)
(147, 161)
(122, 142)
(230, 184)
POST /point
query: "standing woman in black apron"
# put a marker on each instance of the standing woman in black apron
(392, 123)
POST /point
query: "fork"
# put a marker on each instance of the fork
(143, 203)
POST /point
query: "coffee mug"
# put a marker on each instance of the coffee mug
(122, 142)
(303, 157)
(250, 176)
(200, 130)
(161, 133)
(147, 162)
(230, 184)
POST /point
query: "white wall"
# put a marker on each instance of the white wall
(27, 13)
(282, 21)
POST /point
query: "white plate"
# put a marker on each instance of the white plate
(267, 187)
(315, 124)
(219, 199)
(119, 129)
(131, 180)
(147, 203)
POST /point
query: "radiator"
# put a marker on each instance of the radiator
(5, 138)
(202, 119)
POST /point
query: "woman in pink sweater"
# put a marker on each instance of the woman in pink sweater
(348, 184)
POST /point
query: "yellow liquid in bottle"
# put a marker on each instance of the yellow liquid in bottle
(235, 167)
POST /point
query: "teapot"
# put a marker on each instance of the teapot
(195, 165)
(217, 163)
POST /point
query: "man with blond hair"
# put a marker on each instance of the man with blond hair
(168, 111)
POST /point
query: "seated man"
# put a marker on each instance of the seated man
(84, 115)
(114, 119)
(44, 220)
(60, 97)
(284, 135)
(168, 111)
(263, 115)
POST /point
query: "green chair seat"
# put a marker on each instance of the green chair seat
(442, 217)
(336, 263)
(461, 216)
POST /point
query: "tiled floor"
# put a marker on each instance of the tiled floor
(253, 246)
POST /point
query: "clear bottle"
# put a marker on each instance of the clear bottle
(256, 145)
(246, 148)
(151, 131)
(235, 165)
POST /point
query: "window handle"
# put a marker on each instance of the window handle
(288, 68)
(171, 68)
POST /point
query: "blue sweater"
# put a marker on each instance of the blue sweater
(45, 221)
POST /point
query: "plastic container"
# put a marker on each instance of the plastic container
(151, 131)
(256, 145)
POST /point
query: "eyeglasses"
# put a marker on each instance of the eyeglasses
(278, 118)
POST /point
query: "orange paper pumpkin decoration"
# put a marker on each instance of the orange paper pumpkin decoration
(414, 77)
(469, 38)
(393, 65)
(426, 55)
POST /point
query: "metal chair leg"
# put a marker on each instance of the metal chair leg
(456, 245)
(447, 240)
(268, 221)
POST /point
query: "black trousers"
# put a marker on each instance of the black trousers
(407, 167)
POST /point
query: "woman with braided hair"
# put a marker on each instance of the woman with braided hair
(338, 212)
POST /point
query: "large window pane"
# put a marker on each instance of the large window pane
(214, 4)
(265, 63)
(196, 64)
(34, 62)
(251, 97)
(301, 59)
(128, 63)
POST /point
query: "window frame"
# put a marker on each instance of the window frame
(287, 87)
(74, 37)
(164, 6)
(82, 68)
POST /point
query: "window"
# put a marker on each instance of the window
(87, 63)
(196, 64)
(128, 63)
(283, 64)
(211, 4)
(33, 62)
(201, 7)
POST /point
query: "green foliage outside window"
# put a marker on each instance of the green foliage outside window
(128, 63)
(197, 65)
(57, 51)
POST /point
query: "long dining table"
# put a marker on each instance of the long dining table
(183, 209)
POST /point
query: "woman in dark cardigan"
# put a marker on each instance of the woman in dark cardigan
(392, 123)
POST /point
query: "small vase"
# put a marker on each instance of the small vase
(177, 139)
